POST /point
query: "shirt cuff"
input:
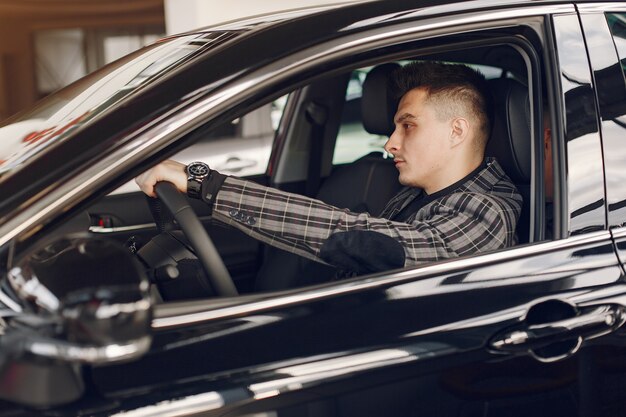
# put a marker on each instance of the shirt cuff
(210, 187)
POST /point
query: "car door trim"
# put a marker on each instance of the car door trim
(619, 232)
(120, 229)
(601, 7)
(100, 230)
(174, 315)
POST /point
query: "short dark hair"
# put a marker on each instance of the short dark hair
(447, 86)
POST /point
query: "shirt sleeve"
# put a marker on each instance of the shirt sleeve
(458, 224)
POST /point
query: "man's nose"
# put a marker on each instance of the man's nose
(392, 144)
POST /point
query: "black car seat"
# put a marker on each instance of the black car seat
(510, 141)
(365, 185)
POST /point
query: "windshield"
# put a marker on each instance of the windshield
(30, 133)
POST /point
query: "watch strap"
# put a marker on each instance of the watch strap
(194, 188)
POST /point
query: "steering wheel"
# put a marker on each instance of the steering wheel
(191, 226)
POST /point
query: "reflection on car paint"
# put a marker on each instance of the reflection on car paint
(611, 93)
(53, 119)
(585, 180)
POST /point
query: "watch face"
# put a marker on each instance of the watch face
(198, 169)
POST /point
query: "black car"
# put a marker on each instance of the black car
(107, 309)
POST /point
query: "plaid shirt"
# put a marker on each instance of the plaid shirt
(477, 216)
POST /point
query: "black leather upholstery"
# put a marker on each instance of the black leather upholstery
(510, 138)
(378, 106)
(510, 141)
(363, 186)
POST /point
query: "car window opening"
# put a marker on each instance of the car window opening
(353, 171)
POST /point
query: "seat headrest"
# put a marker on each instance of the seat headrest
(510, 134)
(378, 106)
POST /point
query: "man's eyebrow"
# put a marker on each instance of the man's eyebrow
(404, 117)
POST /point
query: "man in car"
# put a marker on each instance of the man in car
(455, 201)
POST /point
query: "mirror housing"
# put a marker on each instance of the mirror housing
(81, 301)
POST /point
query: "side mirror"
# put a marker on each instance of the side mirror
(82, 301)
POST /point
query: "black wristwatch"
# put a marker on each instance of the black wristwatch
(196, 172)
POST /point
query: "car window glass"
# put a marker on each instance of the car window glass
(612, 97)
(585, 191)
(614, 126)
(617, 24)
(241, 147)
(353, 141)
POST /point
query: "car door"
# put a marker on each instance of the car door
(530, 330)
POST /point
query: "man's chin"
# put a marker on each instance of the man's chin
(407, 182)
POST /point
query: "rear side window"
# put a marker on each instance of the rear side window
(617, 24)
(609, 68)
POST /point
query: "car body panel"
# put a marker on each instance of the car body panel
(408, 318)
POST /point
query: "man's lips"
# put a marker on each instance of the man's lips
(398, 161)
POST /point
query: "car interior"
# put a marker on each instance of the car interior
(311, 132)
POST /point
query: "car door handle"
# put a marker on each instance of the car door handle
(593, 322)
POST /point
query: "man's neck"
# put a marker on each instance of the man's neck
(456, 172)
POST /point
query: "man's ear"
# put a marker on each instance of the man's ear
(459, 131)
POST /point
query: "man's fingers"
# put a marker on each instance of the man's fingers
(146, 182)
(170, 171)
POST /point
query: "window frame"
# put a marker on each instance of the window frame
(476, 260)
(170, 141)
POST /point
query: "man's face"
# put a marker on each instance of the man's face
(420, 142)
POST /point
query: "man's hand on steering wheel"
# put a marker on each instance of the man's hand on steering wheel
(170, 171)
(175, 173)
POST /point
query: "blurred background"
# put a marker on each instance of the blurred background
(47, 44)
